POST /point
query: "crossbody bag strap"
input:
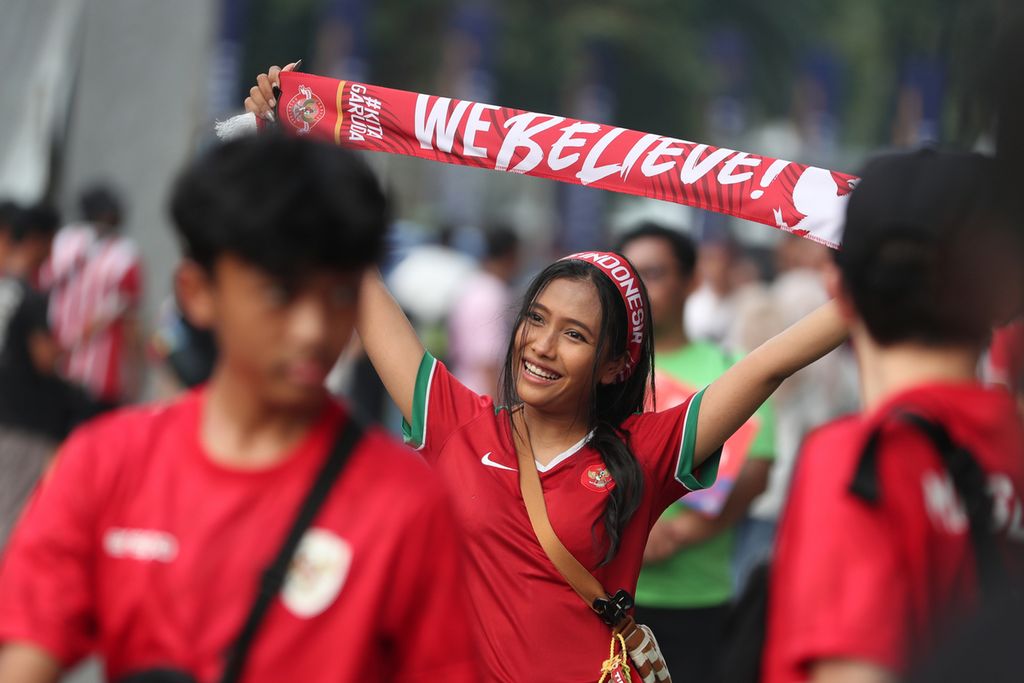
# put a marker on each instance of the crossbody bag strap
(274, 575)
(611, 610)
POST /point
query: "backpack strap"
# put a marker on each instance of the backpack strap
(968, 477)
(273, 576)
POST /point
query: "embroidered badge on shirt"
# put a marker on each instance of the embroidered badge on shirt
(597, 478)
(317, 573)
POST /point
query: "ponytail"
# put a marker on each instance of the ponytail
(624, 498)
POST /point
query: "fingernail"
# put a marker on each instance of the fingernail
(272, 102)
(298, 64)
(269, 116)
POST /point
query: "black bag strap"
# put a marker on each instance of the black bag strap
(968, 477)
(274, 575)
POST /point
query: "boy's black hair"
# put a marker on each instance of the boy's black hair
(683, 248)
(100, 203)
(285, 205)
(39, 221)
(927, 248)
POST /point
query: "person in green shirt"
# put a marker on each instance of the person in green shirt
(686, 584)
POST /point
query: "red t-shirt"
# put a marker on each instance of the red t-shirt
(1006, 356)
(871, 583)
(532, 626)
(141, 547)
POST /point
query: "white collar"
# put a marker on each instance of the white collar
(564, 455)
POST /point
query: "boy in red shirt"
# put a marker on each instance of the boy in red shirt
(859, 588)
(147, 541)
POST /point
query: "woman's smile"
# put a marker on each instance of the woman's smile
(535, 372)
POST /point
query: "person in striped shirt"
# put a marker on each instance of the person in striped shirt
(95, 278)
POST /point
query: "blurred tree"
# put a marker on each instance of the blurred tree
(658, 54)
(879, 38)
(279, 32)
(406, 40)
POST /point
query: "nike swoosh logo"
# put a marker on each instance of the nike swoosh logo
(490, 463)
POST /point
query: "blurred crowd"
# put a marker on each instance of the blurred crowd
(71, 336)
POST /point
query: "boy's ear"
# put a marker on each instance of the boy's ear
(611, 370)
(193, 289)
(836, 290)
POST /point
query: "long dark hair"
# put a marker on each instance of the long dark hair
(610, 404)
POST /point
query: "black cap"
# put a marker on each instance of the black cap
(918, 197)
(925, 246)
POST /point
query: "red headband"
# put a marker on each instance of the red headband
(622, 275)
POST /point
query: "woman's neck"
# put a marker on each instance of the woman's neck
(546, 434)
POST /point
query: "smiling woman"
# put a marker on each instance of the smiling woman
(575, 378)
(575, 358)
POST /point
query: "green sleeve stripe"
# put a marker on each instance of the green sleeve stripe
(416, 434)
(707, 473)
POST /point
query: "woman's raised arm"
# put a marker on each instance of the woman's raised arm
(390, 341)
(732, 398)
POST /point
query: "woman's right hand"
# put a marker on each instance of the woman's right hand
(261, 100)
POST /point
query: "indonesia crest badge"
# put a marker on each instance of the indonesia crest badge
(305, 110)
(317, 573)
(597, 478)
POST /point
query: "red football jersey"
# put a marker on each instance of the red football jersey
(139, 546)
(532, 626)
(873, 583)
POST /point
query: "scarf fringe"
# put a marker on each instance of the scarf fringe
(236, 127)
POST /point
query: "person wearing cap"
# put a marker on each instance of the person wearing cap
(875, 550)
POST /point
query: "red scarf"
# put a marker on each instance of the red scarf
(805, 200)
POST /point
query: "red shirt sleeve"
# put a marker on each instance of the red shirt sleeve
(840, 585)
(46, 573)
(1006, 355)
(428, 609)
(440, 405)
(664, 442)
